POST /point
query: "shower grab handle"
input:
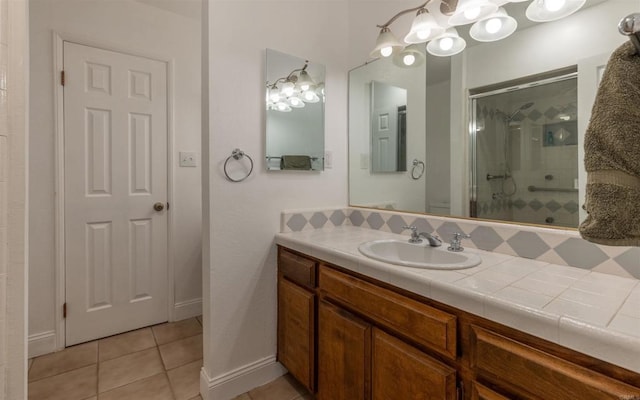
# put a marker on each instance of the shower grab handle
(496, 177)
(539, 189)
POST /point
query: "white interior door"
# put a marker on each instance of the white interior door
(115, 156)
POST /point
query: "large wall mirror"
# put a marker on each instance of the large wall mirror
(499, 127)
(294, 103)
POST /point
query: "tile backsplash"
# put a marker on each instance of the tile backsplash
(555, 246)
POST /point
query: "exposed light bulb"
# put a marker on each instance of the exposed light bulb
(423, 34)
(472, 13)
(493, 25)
(295, 101)
(386, 51)
(282, 106)
(409, 59)
(554, 5)
(275, 95)
(304, 87)
(446, 43)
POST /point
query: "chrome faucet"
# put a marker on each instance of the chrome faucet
(434, 241)
(456, 242)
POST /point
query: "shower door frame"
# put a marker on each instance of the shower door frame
(501, 88)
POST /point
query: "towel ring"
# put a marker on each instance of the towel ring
(237, 155)
(417, 162)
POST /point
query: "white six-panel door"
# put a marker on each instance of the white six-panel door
(115, 162)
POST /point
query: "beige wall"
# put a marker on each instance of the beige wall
(13, 198)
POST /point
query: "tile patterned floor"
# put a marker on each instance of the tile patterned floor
(161, 362)
(156, 363)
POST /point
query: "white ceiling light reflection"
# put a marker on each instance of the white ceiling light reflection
(469, 11)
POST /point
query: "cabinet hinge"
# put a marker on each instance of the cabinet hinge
(62, 81)
(64, 310)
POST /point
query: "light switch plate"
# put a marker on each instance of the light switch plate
(328, 159)
(188, 159)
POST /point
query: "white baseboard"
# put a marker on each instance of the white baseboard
(241, 380)
(187, 309)
(42, 343)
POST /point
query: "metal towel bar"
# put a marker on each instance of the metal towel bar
(539, 189)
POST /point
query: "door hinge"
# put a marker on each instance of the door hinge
(62, 81)
(64, 310)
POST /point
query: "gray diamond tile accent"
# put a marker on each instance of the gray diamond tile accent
(630, 261)
(485, 238)
(572, 207)
(551, 113)
(553, 205)
(423, 225)
(536, 204)
(534, 115)
(580, 253)
(519, 204)
(518, 117)
(318, 220)
(297, 222)
(396, 223)
(337, 217)
(356, 218)
(447, 230)
(528, 245)
(375, 221)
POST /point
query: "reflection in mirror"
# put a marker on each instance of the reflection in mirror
(525, 154)
(388, 128)
(369, 88)
(295, 113)
(440, 118)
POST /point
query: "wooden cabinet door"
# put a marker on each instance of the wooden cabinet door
(481, 392)
(296, 320)
(402, 372)
(344, 344)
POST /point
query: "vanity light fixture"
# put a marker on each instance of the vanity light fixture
(469, 11)
(551, 10)
(423, 28)
(434, 23)
(447, 44)
(293, 91)
(496, 26)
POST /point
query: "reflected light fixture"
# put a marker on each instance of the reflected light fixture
(409, 57)
(551, 10)
(496, 26)
(293, 91)
(447, 44)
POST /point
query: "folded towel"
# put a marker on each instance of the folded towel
(612, 154)
(295, 162)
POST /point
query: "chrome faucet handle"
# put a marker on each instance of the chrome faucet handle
(456, 241)
(415, 238)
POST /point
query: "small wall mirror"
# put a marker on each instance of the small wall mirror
(294, 100)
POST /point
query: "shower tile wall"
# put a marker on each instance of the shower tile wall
(532, 161)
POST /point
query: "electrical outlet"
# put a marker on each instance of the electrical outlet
(188, 159)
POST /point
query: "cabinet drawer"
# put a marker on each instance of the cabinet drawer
(480, 392)
(298, 269)
(417, 321)
(534, 374)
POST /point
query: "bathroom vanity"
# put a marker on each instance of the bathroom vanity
(349, 333)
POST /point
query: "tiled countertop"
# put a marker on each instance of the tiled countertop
(590, 312)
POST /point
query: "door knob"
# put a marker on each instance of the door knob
(158, 206)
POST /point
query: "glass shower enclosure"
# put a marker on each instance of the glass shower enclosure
(524, 152)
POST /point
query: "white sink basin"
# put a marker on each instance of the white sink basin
(419, 255)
